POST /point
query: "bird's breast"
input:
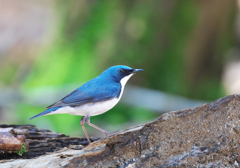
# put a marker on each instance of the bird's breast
(102, 107)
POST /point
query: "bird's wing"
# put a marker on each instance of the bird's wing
(89, 93)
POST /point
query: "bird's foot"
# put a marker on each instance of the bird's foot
(113, 133)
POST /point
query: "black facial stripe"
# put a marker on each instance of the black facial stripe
(129, 71)
(126, 71)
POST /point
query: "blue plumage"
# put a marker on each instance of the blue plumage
(45, 112)
(94, 97)
(93, 91)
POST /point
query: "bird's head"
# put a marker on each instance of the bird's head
(121, 73)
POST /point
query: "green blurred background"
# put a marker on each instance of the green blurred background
(48, 48)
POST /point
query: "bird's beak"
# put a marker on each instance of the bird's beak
(137, 70)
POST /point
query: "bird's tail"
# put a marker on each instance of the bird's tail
(45, 112)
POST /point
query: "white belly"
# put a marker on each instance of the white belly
(86, 109)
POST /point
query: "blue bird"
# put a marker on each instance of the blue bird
(94, 97)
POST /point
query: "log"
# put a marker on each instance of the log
(38, 141)
(10, 142)
(205, 136)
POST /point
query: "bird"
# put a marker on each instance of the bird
(95, 97)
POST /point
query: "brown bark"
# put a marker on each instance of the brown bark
(10, 142)
(39, 141)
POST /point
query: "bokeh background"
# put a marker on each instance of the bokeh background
(189, 51)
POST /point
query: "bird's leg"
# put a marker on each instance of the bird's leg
(87, 121)
(82, 124)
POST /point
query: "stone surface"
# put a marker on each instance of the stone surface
(206, 136)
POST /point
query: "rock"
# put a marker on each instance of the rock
(206, 136)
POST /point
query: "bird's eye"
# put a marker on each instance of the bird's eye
(122, 71)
